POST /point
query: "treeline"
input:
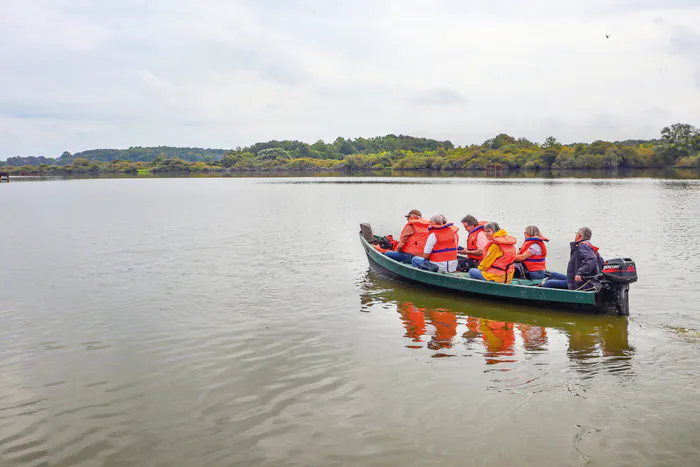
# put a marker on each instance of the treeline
(337, 150)
(679, 146)
(134, 154)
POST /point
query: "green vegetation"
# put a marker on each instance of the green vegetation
(679, 146)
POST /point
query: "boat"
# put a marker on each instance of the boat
(612, 296)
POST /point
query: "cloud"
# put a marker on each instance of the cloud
(79, 74)
(39, 109)
(439, 96)
(686, 43)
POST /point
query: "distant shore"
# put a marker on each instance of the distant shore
(678, 148)
(667, 173)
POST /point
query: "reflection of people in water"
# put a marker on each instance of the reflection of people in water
(615, 339)
(499, 340)
(608, 339)
(413, 319)
(472, 329)
(534, 337)
(590, 340)
(445, 324)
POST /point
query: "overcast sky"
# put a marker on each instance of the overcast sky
(84, 74)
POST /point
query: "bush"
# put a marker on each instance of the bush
(273, 154)
(531, 165)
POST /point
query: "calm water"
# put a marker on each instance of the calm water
(183, 322)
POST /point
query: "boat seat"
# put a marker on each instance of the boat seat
(526, 281)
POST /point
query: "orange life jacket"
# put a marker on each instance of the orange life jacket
(445, 248)
(504, 263)
(416, 243)
(471, 241)
(380, 249)
(535, 262)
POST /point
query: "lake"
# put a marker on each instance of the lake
(235, 321)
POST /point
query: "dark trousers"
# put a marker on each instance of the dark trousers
(400, 256)
(465, 264)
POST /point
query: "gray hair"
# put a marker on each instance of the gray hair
(438, 219)
(585, 233)
(532, 231)
(492, 226)
(470, 220)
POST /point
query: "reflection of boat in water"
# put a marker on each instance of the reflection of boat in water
(432, 319)
(611, 296)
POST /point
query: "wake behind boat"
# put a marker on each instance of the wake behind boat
(611, 296)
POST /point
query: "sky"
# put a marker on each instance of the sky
(87, 74)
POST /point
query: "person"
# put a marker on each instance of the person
(584, 265)
(413, 237)
(498, 263)
(476, 241)
(533, 254)
(441, 246)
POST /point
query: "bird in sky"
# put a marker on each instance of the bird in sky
(607, 36)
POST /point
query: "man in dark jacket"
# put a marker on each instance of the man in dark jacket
(584, 265)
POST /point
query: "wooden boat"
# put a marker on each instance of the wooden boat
(611, 296)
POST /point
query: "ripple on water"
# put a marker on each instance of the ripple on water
(141, 334)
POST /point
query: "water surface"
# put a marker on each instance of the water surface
(236, 321)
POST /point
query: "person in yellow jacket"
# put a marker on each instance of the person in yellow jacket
(499, 258)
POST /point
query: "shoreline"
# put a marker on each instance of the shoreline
(666, 173)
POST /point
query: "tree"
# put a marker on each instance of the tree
(548, 157)
(230, 159)
(347, 148)
(677, 141)
(612, 158)
(551, 143)
(344, 146)
(273, 154)
(499, 141)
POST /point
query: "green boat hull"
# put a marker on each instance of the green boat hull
(521, 291)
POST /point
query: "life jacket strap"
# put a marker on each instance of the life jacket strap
(443, 250)
(505, 276)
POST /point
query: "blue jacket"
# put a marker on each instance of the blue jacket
(585, 262)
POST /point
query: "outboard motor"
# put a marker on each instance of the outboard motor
(620, 270)
(618, 274)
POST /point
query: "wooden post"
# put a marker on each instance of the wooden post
(494, 169)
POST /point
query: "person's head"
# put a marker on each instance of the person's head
(490, 229)
(413, 214)
(584, 233)
(438, 220)
(532, 231)
(469, 222)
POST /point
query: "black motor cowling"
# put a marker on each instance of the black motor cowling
(620, 271)
(617, 274)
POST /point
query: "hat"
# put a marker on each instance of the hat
(413, 212)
